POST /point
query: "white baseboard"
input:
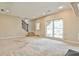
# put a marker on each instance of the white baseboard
(72, 42)
(11, 36)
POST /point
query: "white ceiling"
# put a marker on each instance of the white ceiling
(32, 9)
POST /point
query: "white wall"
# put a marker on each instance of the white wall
(71, 24)
(10, 26)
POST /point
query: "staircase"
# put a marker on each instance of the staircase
(24, 25)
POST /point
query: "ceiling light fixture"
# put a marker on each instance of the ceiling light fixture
(60, 7)
(7, 11)
(44, 13)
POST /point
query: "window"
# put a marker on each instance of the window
(54, 28)
(37, 25)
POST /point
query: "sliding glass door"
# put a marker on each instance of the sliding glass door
(54, 28)
(58, 28)
(49, 28)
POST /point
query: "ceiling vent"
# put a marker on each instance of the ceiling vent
(4, 10)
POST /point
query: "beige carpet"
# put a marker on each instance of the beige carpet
(33, 46)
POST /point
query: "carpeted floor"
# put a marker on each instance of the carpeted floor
(33, 46)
